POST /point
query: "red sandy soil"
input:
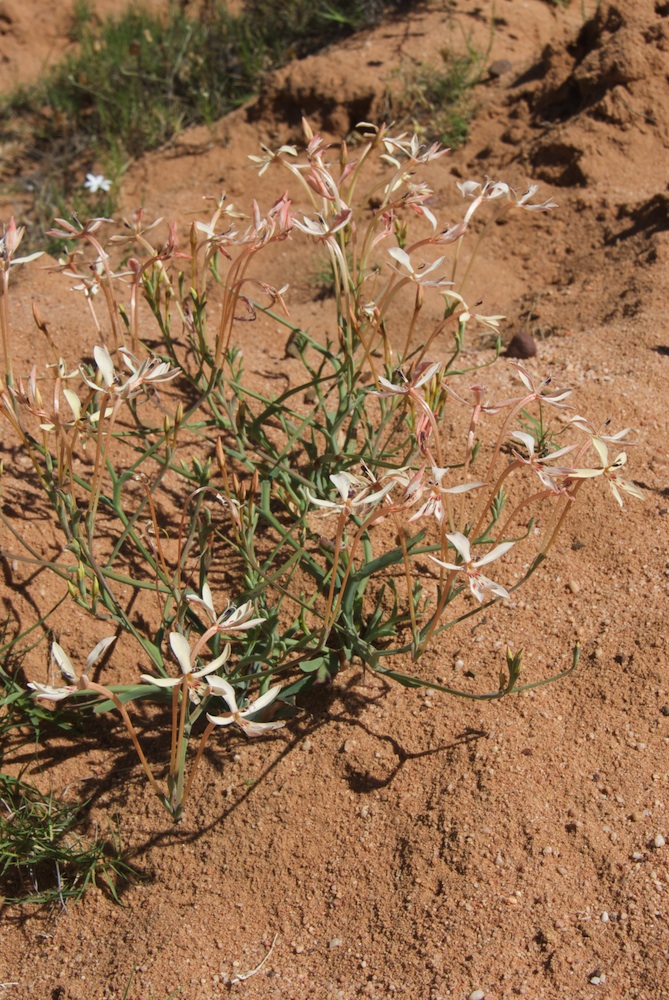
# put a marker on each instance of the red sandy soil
(399, 843)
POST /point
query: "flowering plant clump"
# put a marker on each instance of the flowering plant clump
(321, 507)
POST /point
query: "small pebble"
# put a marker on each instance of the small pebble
(574, 586)
(499, 861)
(334, 943)
(659, 841)
(521, 345)
(598, 979)
(605, 917)
(349, 745)
(499, 67)
(477, 995)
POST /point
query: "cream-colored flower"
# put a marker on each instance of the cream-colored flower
(219, 686)
(182, 652)
(479, 584)
(64, 664)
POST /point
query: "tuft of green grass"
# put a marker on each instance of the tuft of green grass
(43, 859)
(437, 99)
(138, 80)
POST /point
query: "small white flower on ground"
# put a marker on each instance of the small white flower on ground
(97, 182)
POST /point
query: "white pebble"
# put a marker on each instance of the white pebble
(659, 841)
(477, 995)
(605, 917)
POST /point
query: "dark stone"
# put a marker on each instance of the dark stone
(521, 345)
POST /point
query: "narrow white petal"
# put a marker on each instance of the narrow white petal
(105, 364)
(219, 685)
(262, 702)
(321, 503)
(181, 650)
(523, 375)
(614, 490)
(468, 188)
(584, 473)
(402, 257)
(63, 661)
(221, 720)
(527, 440)
(161, 682)
(99, 650)
(214, 665)
(446, 565)
(51, 693)
(495, 553)
(258, 728)
(208, 599)
(459, 542)
(73, 402)
(463, 487)
(429, 372)
(343, 481)
(496, 588)
(559, 453)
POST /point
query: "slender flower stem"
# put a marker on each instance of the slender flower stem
(106, 693)
(203, 742)
(175, 727)
(327, 623)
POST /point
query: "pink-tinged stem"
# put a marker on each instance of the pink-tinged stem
(203, 742)
(99, 689)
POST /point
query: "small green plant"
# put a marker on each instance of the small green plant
(137, 80)
(318, 507)
(437, 100)
(43, 858)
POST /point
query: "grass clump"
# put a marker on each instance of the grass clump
(43, 859)
(136, 81)
(437, 100)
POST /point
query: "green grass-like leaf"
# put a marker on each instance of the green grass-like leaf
(42, 857)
